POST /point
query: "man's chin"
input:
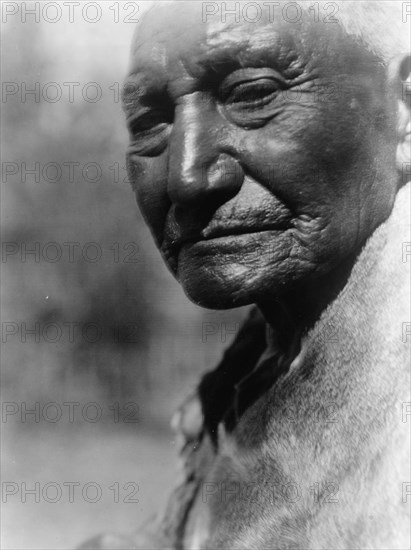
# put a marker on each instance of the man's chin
(218, 287)
(216, 296)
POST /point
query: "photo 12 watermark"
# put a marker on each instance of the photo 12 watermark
(71, 332)
(70, 252)
(268, 492)
(55, 92)
(70, 412)
(69, 171)
(253, 12)
(71, 12)
(54, 492)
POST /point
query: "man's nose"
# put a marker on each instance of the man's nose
(200, 170)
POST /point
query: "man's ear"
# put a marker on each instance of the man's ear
(400, 78)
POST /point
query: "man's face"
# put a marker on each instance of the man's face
(262, 154)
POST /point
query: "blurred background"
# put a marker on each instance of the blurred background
(99, 344)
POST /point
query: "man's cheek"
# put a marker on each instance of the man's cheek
(154, 208)
(150, 187)
(287, 168)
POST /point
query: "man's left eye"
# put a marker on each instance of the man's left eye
(148, 121)
(254, 93)
(149, 132)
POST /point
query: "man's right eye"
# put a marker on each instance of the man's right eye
(149, 132)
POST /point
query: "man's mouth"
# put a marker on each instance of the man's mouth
(173, 246)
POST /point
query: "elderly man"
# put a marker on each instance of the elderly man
(269, 150)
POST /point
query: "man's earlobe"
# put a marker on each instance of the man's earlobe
(400, 70)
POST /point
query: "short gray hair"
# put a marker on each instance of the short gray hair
(382, 26)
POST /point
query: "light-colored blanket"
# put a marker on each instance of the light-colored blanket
(322, 460)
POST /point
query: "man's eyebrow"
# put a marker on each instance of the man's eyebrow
(131, 95)
(133, 87)
(141, 89)
(146, 84)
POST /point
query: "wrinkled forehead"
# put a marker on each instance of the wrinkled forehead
(181, 41)
(194, 31)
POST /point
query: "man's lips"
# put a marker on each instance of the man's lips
(208, 234)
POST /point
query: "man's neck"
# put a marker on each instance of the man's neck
(292, 314)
